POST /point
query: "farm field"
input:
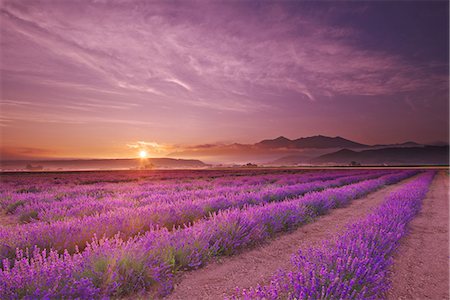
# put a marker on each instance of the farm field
(210, 234)
(238, 150)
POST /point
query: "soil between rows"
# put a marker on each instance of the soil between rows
(257, 265)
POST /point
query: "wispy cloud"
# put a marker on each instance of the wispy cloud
(54, 118)
(152, 147)
(145, 49)
(80, 105)
(8, 153)
(180, 83)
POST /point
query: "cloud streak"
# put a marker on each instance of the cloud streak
(146, 49)
(153, 148)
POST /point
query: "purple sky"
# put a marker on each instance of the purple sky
(104, 78)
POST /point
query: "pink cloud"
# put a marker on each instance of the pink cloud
(146, 49)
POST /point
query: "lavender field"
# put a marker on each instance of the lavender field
(119, 234)
(204, 150)
(356, 265)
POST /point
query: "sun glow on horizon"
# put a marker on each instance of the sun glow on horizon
(143, 154)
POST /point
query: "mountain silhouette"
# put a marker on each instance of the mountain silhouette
(317, 142)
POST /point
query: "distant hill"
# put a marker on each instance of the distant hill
(406, 144)
(279, 142)
(317, 142)
(439, 143)
(321, 141)
(426, 155)
(102, 164)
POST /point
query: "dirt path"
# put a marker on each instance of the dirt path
(421, 267)
(259, 264)
(8, 220)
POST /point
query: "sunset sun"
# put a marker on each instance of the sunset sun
(143, 154)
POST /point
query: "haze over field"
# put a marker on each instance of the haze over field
(108, 79)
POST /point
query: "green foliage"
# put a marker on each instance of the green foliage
(10, 209)
(28, 216)
(120, 274)
(31, 189)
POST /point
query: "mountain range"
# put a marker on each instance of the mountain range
(281, 151)
(345, 152)
(315, 142)
(320, 150)
(426, 155)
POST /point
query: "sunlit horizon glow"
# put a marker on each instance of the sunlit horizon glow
(143, 154)
(103, 79)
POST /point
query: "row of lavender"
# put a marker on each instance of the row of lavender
(48, 202)
(23, 195)
(86, 178)
(114, 267)
(355, 266)
(130, 221)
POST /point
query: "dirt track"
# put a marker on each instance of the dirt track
(258, 265)
(421, 266)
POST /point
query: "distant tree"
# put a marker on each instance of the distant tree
(250, 165)
(149, 166)
(354, 163)
(30, 167)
